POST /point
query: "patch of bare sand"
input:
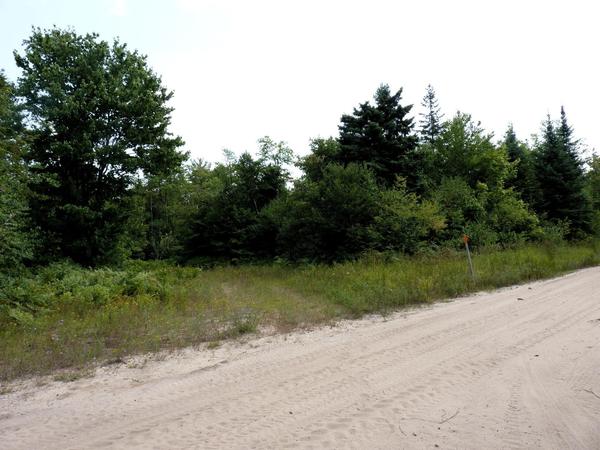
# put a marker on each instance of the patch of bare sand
(516, 368)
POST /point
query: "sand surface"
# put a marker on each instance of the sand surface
(515, 368)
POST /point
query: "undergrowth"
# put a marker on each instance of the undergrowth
(66, 317)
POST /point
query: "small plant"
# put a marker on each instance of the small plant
(244, 323)
(69, 376)
(63, 316)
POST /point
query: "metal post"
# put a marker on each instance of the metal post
(466, 241)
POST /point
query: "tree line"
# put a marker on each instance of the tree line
(90, 172)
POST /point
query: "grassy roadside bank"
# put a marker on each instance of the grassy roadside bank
(66, 317)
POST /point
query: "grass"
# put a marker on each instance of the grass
(65, 318)
(68, 376)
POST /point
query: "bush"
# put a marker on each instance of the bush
(555, 232)
(511, 219)
(460, 204)
(403, 223)
(327, 219)
(64, 285)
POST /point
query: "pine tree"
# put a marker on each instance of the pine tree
(560, 176)
(431, 122)
(381, 137)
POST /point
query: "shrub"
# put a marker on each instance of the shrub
(327, 219)
(403, 222)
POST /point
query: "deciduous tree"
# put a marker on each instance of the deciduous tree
(16, 237)
(99, 117)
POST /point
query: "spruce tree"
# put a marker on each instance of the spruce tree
(523, 180)
(431, 121)
(560, 176)
(381, 137)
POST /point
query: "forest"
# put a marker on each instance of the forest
(101, 208)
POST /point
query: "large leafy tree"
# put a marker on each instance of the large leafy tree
(381, 137)
(16, 238)
(431, 119)
(99, 117)
(466, 151)
(560, 176)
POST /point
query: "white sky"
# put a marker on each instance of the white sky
(290, 69)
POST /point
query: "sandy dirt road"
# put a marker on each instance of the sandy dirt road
(516, 368)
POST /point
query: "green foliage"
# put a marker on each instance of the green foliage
(464, 150)
(99, 115)
(592, 188)
(487, 216)
(523, 179)
(99, 315)
(16, 238)
(344, 212)
(95, 177)
(555, 232)
(381, 137)
(322, 152)
(511, 218)
(160, 216)
(403, 223)
(327, 219)
(278, 154)
(229, 221)
(560, 177)
(431, 122)
(460, 204)
(63, 284)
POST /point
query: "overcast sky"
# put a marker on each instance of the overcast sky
(289, 69)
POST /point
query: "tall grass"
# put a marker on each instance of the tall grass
(67, 317)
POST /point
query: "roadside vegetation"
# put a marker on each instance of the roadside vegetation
(114, 242)
(76, 317)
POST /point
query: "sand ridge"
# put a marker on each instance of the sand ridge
(514, 368)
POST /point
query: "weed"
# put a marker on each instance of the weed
(69, 376)
(63, 317)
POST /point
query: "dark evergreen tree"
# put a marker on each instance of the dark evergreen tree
(523, 179)
(99, 118)
(381, 137)
(431, 120)
(561, 178)
(513, 150)
(565, 136)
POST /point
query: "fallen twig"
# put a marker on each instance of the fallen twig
(433, 421)
(592, 392)
(451, 417)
